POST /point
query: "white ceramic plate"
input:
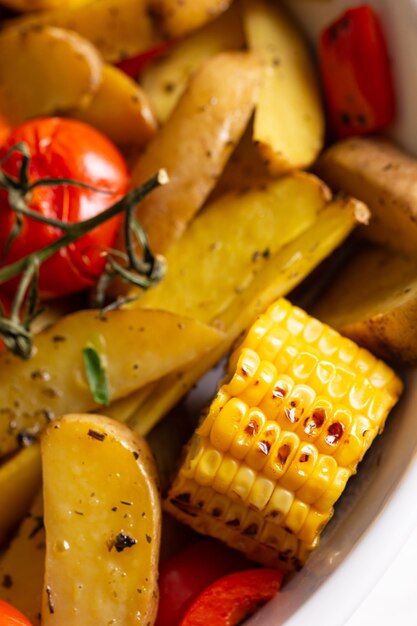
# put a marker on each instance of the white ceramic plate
(378, 510)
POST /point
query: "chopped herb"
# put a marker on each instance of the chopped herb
(96, 376)
(123, 541)
(7, 581)
(96, 435)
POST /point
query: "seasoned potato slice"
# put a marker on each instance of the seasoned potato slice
(195, 143)
(118, 28)
(179, 18)
(166, 79)
(374, 302)
(20, 476)
(120, 110)
(102, 521)
(133, 347)
(382, 175)
(289, 118)
(283, 271)
(65, 70)
(22, 564)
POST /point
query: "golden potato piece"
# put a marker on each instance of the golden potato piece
(374, 302)
(176, 19)
(195, 143)
(283, 271)
(119, 109)
(20, 476)
(22, 564)
(45, 70)
(133, 348)
(166, 79)
(289, 118)
(102, 521)
(118, 29)
(385, 178)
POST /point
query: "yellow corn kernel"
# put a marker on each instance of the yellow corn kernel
(284, 434)
(247, 364)
(250, 426)
(227, 423)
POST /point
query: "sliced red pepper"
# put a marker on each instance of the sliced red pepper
(356, 73)
(233, 598)
(135, 65)
(183, 576)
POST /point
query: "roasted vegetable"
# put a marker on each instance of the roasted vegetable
(195, 143)
(373, 300)
(109, 357)
(176, 19)
(120, 110)
(36, 63)
(384, 177)
(118, 28)
(289, 118)
(283, 271)
(22, 564)
(102, 521)
(166, 79)
(300, 407)
(19, 479)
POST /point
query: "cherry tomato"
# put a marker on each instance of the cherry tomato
(9, 616)
(183, 576)
(64, 148)
(356, 73)
(228, 601)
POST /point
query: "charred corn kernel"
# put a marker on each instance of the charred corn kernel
(285, 432)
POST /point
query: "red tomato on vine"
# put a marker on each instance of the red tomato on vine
(10, 616)
(63, 148)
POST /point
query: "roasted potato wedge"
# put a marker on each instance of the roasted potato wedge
(22, 564)
(283, 271)
(374, 302)
(120, 110)
(134, 348)
(118, 29)
(102, 521)
(177, 19)
(195, 143)
(385, 178)
(65, 71)
(289, 118)
(20, 477)
(165, 80)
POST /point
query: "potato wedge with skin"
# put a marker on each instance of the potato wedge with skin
(22, 564)
(195, 143)
(165, 80)
(385, 178)
(118, 29)
(120, 109)
(135, 347)
(283, 271)
(177, 19)
(102, 521)
(20, 477)
(289, 117)
(54, 55)
(374, 302)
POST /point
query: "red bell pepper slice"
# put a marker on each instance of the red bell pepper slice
(233, 598)
(183, 576)
(356, 73)
(135, 65)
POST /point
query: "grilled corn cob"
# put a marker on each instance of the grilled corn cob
(298, 410)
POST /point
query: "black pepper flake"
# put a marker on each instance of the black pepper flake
(250, 530)
(58, 338)
(114, 508)
(7, 581)
(37, 527)
(136, 454)
(125, 502)
(50, 601)
(148, 538)
(78, 513)
(96, 435)
(122, 541)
